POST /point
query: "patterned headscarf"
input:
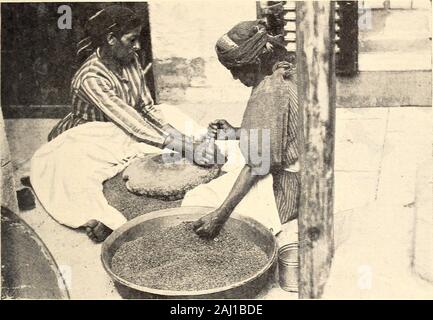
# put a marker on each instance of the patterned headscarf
(114, 18)
(243, 44)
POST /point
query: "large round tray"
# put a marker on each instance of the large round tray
(245, 227)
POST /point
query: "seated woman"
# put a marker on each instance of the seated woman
(260, 61)
(113, 119)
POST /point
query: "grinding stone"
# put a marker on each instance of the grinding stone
(165, 177)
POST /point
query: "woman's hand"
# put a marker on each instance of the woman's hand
(211, 224)
(207, 153)
(202, 155)
(223, 125)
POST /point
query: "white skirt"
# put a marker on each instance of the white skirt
(67, 173)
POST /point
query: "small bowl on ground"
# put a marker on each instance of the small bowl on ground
(288, 267)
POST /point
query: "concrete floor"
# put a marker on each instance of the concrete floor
(378, 151)
(375, 259)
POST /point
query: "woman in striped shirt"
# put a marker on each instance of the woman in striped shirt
(113, 118)
(111, 85)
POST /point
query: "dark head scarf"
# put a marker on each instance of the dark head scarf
(245, 43)
(116, 19)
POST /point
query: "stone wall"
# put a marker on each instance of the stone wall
(186, 68)
(187, 71)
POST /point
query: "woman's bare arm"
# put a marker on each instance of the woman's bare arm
(210, 225)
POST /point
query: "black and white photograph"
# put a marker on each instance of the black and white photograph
(216, 149)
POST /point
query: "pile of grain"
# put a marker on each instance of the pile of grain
(176, 258)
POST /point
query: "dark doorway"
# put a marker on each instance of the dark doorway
(346, 31)
(39, 59)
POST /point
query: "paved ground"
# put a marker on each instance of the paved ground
(378, 151)
(377, 158)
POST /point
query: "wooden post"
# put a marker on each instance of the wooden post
(316, 95)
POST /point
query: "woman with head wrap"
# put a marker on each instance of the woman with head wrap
(113, 119)
(259, 60)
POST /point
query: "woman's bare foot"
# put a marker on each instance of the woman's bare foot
(97, 231)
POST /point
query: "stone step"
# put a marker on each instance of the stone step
(385, 88)
(395, 30)
(395, 4)
(398, 45)
(395, 61)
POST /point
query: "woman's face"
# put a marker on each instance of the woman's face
(125, 46)
(247, 75)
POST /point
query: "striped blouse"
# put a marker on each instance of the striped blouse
(101, 94)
